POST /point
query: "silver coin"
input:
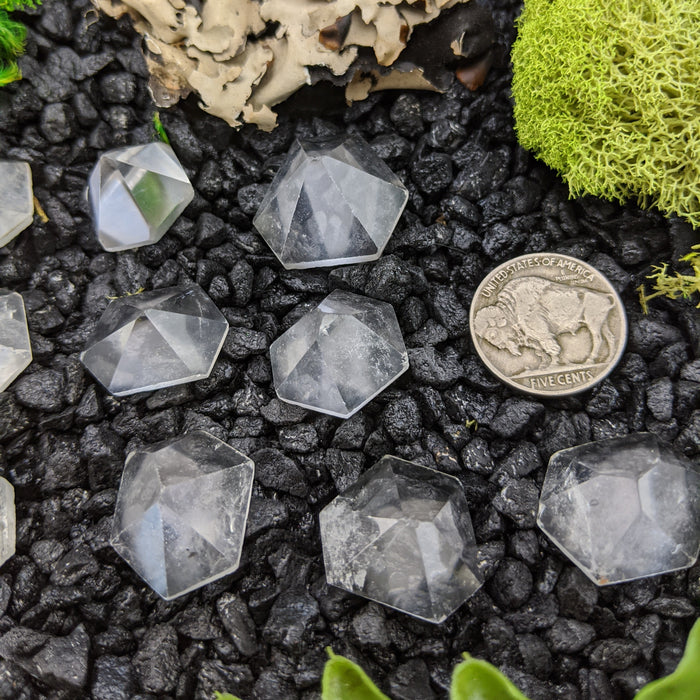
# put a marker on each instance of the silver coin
(548, 324)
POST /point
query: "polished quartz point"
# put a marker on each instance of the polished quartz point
(340, 355)
(623, 508)
(16, 199)
(136, 193)
(181, 512)
(402, 536)
(15, 348)
(155, 339)
(333, 202)
(7, 520)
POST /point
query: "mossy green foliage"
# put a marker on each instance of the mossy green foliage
(13, 34)
(607, 93)
(675, 285)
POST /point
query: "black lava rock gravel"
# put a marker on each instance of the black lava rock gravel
(77, 622)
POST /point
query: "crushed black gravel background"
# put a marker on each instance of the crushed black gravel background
(77, 622)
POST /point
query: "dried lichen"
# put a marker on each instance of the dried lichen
(242, 57)
(673, 286)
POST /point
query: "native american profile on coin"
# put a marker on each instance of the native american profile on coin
(548, 324)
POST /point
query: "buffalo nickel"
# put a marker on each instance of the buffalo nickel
(548, 324)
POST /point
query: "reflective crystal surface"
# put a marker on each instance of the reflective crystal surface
(181, 512)
(15, 349)
(339, 356)
(332, 202)
(155, 339)
(623, 508)
(16, 199)
(135, 195)
(7, 520)
(402, 536)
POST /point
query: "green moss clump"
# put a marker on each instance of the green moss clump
(12, 37)
(608, 94)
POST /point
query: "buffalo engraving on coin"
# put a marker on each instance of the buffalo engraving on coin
(548, 324)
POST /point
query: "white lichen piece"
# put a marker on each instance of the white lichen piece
(221, 50)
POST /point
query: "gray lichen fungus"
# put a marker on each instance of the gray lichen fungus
(244, 56)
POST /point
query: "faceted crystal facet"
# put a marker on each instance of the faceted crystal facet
(623, 508)
(339, 356)
(402, 536)
(181, 512)
(136, 193)
(155, 339)
(7, 520)
(16, 199)
(333, 202)
(15, 349)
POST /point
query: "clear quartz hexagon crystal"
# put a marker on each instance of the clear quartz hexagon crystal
(15, 348)
(181, 512)
(340, 355)
(16, 199)
(136, 193)
(155, 339)
(333, 202)
(402, 536)
(7, 520)
(623, 508)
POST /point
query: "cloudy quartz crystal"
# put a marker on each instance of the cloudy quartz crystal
(623, 508)
(181, 512)
(155, 339)
(15, 348)
(136, 193)
(16, 199)
(7, 520)
(340, 355)
(402, 536)
(333, 202)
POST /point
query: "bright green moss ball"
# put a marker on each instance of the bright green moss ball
(607, 92)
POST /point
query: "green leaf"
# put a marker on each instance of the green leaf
(345, 680)
(159, 128)
(225, 696)
(684, 682)
(475, 679)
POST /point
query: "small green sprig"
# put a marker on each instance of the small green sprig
(159, 128)
(13, 36)
(674, 285)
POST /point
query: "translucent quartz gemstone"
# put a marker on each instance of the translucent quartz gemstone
(155, 339)
(16, 199)
(181, 512)
(402, 536)
(7, 520)
(333, 202)
(623, 508)
(339, 356)
(15, 348)
(135, 195)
